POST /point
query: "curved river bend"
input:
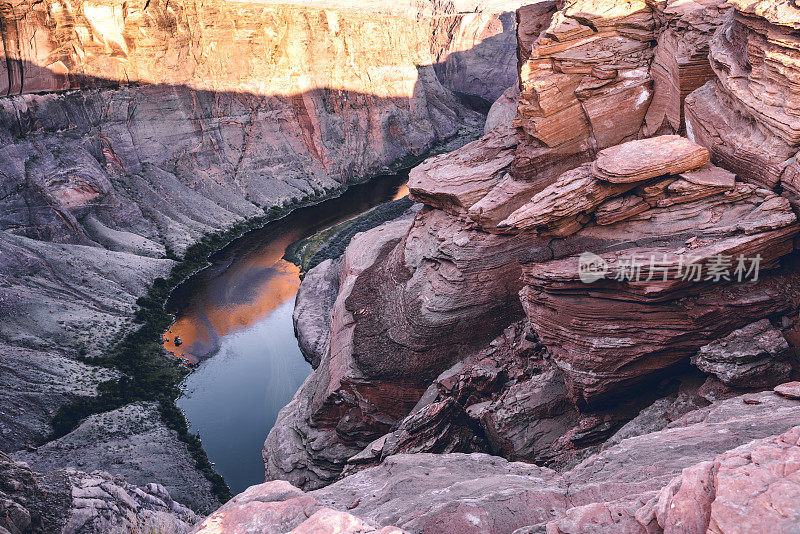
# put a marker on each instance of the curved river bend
(234, 319)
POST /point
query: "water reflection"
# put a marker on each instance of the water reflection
(234, 320)
(238, 297)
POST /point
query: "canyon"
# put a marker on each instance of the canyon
(468, 328)
(588, 322)
(137, 137)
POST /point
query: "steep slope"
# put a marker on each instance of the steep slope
(588, 177)
(132, 131)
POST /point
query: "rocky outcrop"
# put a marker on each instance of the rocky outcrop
(744, 116)
(130, 130)
(71, 502)
(312, 311)
(429, 317)
(572, 178)
(754, 356)
(629, 487)
(680, 64)
(131, 442)
(669, 218)
(278, 507)
(744, 489)
(596, 58)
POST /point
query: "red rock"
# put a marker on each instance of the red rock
(681, 61)
(641, 160)
(789, 389)
(552, 209)
(606, 334)
(574, 81)
(454, 182)
(710, 175)
(746, 116)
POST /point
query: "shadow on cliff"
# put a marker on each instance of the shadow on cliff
(239, 149)
(159, 161)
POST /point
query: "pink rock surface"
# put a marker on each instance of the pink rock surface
(753, 488)
(789, 389)
(636, 161)
(707, 470)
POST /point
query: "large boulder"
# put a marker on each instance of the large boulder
(754, 356)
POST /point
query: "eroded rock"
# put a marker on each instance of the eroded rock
(754, 356)
(71, 502)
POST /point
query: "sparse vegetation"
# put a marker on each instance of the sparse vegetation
(147, 374)
(331, 243)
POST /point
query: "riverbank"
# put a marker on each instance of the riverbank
(332, 242)
(147, 374)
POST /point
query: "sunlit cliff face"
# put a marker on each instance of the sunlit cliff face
(220, 45)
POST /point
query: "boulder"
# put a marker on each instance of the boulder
(756, 355)
(641, 160)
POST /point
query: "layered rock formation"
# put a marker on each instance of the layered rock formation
(71, 501)
(672, 308)
(745, 115)
(700, 473)
(564, 269)
(629, 247)
(129, 130)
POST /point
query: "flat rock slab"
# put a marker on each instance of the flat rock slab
(788, 389)
(710, 175)
(641, 160)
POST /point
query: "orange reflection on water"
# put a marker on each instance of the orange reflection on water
(202, 325)
(402, 192)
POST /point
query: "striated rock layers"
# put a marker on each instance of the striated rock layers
(388, 341)
(746, 116)
(628, 246)
(129, 130)
(733, 462)
(71, 502)
(675, 256)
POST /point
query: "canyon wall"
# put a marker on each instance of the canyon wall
(418, 359)
(130, 130)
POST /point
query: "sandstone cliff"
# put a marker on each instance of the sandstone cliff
(130, 130)
(589, 164)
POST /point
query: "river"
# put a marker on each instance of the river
(234, 320)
